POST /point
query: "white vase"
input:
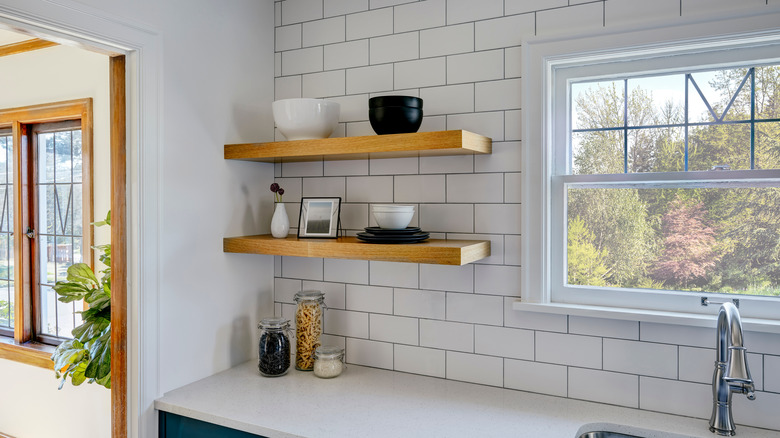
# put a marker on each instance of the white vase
(280, 223)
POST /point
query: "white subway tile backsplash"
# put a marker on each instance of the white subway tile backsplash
(448, 278)
(604, 387)
(608, 328)
(761, 342)
(420, 303)
(513, 188)
(346, 55)
(506, 157)
(461, 11)
(420, 15)
(287, 87)
(757, 368)
(513, 62)
(448, 40)
(696, 364)
(327, 31)
(332, 186)
(277, 65)
(302, 168)
(675, 397)
(370, 353)
(497, 280)
(346, 168)
(523, 6)
(643, 358)
(323, 84)
(285, 289)
(296, 11)
(375, 4)
(299, 61)
(677, 334)
(343, 7)
(396, 329)
(393, 166)
(427, 72)
(700, 7)
(335, 341)
(772, 376)
(504, 32)
(393, 274)
(449, 99)
(369, 299)
(447, 218)
(447, 164)
(579, 18)
(393, 48)
(306, 268)
(543, 378)
(288, 37)
(370, 24)
(433, 124)
(475, 368)
(497, 95)
(512, 250)
(419, 188)
(497, 218)
(354, 217)
(478, 309)
(277, 14)
(761, 412)
(419, 360)
(346, 271)
(346, 323)
(334, 292)
(447, 335)
(533, 320)
(352, 108)
(293, 189)
(564, 349)
(474, 67)
(504, 342)
(370, 79)
(369, 189)
(487, 124)
(632, 11)
(475, 188)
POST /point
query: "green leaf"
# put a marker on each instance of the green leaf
(78, 375)
(100, 351)
(67, 353)
(82, 273)
(71, 291)
(106, 221)
(90, 329)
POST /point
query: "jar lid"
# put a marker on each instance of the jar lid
(309, 295)
(274, 323)
(328, 352)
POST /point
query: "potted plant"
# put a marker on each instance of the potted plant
(87, 357)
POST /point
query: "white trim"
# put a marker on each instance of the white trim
(541, 58)
(70, 21)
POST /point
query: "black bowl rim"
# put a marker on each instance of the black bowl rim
(393, 100)
(395, 107)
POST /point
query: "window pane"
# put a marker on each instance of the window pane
(656, 150)
(62, 156)
(683, 239)
(6, 236)
(77, 156)
(597, 152)
(719, 145)
(656, 100)
(48, 311)
(607, 97)
(768, 92)
(768, 145)
(45, 157)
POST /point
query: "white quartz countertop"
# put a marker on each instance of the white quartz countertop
(367, 402)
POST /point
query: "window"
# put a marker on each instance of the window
(45, 211)
(660, 176)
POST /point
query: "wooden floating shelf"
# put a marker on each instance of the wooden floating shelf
(417, 144)
(432, 251)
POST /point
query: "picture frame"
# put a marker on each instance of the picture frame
(320, 218)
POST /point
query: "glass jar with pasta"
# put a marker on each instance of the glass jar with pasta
(308, 327)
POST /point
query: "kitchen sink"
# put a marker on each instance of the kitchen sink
(606, 434)
(610, 430)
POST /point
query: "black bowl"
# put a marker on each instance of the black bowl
(410, 101)
(395, 119)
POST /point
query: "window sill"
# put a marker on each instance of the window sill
(30, 353)
(678, 318)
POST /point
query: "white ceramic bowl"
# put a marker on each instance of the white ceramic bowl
(392, 207)
(306, 119)
(393, 220)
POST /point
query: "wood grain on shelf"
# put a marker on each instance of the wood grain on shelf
(372, 146)
(432, 251)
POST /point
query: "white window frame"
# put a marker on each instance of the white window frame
(549, 64)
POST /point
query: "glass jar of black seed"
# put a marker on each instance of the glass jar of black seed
(274, 346)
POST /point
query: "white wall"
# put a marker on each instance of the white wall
(463, 57)
(215, 87)
(51, 75)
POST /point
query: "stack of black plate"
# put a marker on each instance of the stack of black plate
(381, 235)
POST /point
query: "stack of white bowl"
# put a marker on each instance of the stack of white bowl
(392, 216)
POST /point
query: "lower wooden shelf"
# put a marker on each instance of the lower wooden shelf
(432, 251)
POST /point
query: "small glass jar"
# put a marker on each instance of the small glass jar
(328, 362)
(274, 347)
(308, 327)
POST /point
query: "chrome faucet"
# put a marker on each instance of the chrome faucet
(731, 370)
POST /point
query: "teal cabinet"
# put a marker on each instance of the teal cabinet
(177, 426)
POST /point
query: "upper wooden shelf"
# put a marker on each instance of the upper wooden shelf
(432, 251)
(370, 146)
